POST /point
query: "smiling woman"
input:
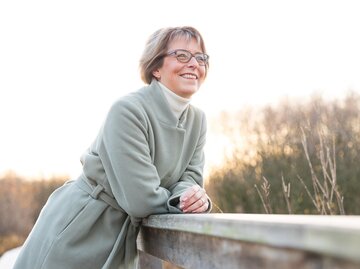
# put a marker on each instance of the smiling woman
(148, 158)
(181, 67)
(184, 79)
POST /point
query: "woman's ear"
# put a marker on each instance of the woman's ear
(156, 74)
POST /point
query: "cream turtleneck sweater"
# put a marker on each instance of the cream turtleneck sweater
(177, 103)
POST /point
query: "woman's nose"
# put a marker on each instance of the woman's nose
(193, 62)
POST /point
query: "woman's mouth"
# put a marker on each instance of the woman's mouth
(189, 76)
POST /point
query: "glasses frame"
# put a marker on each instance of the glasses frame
(174, 52)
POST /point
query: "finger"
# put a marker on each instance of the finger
(202, 209)
(186, 199)
(197, 205)
(189, 193)
(194, 199)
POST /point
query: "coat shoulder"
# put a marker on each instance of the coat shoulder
(131, 105)
(198, 115)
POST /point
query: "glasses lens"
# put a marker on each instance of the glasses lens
(201, 58)
(183, 56)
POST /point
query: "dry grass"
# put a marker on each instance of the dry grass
(325, 194)
(265, 195)
(286, 192)
(325, 190)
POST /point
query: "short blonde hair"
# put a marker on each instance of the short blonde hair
(157, 45)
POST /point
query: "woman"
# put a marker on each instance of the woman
(147, 159)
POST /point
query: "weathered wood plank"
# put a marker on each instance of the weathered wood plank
(337, 236)
(147, 261)
(253, 241)
(190, 251)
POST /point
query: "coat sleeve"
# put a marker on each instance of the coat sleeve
(193, 173)
(125, 154)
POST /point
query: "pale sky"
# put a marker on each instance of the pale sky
(63, 63)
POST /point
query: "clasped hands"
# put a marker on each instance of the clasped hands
(194, 200)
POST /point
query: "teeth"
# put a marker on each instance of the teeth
(191, 76)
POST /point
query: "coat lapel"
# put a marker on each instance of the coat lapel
(168, 134)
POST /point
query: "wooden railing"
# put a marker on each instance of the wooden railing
(250, 241)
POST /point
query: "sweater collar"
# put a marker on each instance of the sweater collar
(162, 108)
(177, 103)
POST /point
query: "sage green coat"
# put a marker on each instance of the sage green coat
(143, 159)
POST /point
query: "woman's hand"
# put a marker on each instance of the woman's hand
(194, 200)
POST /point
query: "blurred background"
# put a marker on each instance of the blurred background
(282, 98)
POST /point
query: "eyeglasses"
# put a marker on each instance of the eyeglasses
(184, 56)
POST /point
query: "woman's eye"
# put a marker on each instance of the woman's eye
(200, 58)
(182, 56)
